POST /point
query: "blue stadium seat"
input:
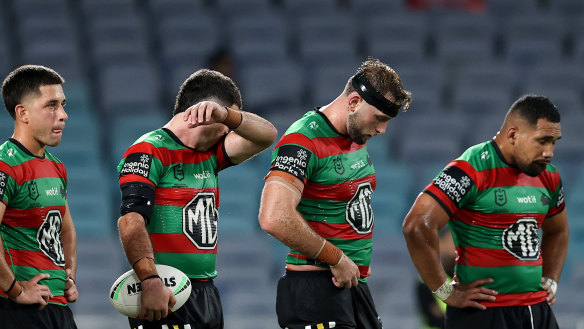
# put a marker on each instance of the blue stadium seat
(489, 75)
(116, 41)
(472, 102)
(327, 38)
(259, 38)
(126, 129)
(516, 8)
(238, 211)
(381, 32)
(426, 82)
(328, 81)
(399, 54)
(272, 86)
(392, 197)
(129, 88)
(464, 39)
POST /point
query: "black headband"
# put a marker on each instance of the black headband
(372, 96)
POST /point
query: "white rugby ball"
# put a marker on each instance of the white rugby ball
(126, 291)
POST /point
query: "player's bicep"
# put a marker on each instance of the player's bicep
(2, 210)
(426, 212)
(294, 160)
(556, 223)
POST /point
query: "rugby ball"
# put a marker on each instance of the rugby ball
(125, 293)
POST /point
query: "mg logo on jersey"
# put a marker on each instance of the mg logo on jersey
(521, 239)
(500, 197)
(358, 212)
(49, 237)
(33, 190)
(200, 220)
(338, 164)
(179, 173)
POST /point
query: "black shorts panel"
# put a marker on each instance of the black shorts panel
(18, 316)
(309, 298)
(538, 316)
(202, 310)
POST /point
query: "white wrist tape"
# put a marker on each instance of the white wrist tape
(549, 282)
(445, 290)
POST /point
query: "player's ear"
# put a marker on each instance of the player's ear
(21, 113)
(353, 101)
(511, 135)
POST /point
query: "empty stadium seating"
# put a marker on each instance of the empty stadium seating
(124, 61)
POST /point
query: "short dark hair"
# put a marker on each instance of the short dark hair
(385, 80)
(204, 85)
(24, 81)
(535, 107)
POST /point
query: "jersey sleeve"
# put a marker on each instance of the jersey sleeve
(455, 184)
(295, 154)
(142, 163)
(223, 160)
(558, 201)
(7, 183)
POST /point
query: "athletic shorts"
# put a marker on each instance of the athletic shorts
(19, 316)
(310, 300)
(538, 316)
(201, 311)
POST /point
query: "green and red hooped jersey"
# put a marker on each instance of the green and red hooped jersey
(34, 190)
(496, 212)
(339, 180)
(184, 223)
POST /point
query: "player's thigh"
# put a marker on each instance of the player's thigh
(18, 316)
(202, 310)
(310, 299)
(366, 314)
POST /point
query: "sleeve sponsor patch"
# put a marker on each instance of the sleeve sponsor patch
(3, 183)
(292, 159)
(137, 164)
(560, 196)
(454, 183)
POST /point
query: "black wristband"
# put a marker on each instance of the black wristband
(136, 262)
(11, 286)
(152, 277)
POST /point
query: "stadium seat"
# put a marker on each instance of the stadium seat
(131, 88)
(259, 38)
(271, 87)
(464, 39)
(327, 38)
(328, 81)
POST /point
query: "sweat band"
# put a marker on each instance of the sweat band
(330, 254)
(144, 268)
(445, 290)
(233, 119)
(372, 96)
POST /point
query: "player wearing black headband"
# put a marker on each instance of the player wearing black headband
(317, 201)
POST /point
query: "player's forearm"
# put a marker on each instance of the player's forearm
(424, 249)
(279, 218)
(134, 237)
(69, 240)
(554, 249)
(257, 130)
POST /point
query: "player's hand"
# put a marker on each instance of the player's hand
(551, 294)
(469, 295)
(204, 113)
(34, 293)
(346, 274)
(156, 299)
(71, 293)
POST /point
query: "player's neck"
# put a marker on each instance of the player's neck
(32, 145)
(337, 114)
(191, 137)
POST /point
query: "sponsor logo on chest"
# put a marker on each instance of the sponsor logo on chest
(530, 199)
